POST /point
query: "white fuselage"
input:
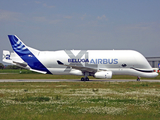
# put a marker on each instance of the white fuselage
(97, 63)
(117, 61)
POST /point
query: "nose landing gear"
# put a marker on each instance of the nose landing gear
(138, 78)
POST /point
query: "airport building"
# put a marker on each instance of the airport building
(153, 61)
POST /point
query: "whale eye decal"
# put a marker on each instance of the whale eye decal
(124, 65)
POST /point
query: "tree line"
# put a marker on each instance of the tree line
(9, 67)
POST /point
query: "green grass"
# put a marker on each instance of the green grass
(80, 100)
(32, 99)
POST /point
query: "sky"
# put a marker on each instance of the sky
(50, 25)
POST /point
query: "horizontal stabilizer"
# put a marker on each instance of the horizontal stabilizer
(38, 71)
(20, 64)
(14, 59)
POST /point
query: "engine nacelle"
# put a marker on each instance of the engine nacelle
(103, 74)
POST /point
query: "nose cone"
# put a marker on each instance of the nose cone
(149, 75)
(154, 74)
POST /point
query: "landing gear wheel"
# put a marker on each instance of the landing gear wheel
(87, 79)
(82, 79)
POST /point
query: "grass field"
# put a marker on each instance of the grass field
(80, 100)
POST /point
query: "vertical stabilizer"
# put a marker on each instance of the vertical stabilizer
(18, 46)
(27, 54)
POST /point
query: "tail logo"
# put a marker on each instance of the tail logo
(17, 45)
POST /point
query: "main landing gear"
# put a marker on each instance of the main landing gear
(84, 79)
(138, 78)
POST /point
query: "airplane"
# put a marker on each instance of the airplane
(101, 64)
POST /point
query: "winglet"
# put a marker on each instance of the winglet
(59, 62)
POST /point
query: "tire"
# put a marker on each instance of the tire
(87, 79)
(82, 79)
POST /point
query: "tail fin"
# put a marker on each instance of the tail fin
(159, 65)
(27, 54)
(18, 46)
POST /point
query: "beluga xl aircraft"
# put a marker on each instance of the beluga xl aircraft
(97, 63)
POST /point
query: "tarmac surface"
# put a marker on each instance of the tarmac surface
(74, 80)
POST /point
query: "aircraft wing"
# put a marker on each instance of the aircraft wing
(83, 69)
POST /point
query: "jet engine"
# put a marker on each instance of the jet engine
(103, 74)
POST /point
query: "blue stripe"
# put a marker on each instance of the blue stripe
(26, 54)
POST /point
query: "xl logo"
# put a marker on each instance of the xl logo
(78, 57)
